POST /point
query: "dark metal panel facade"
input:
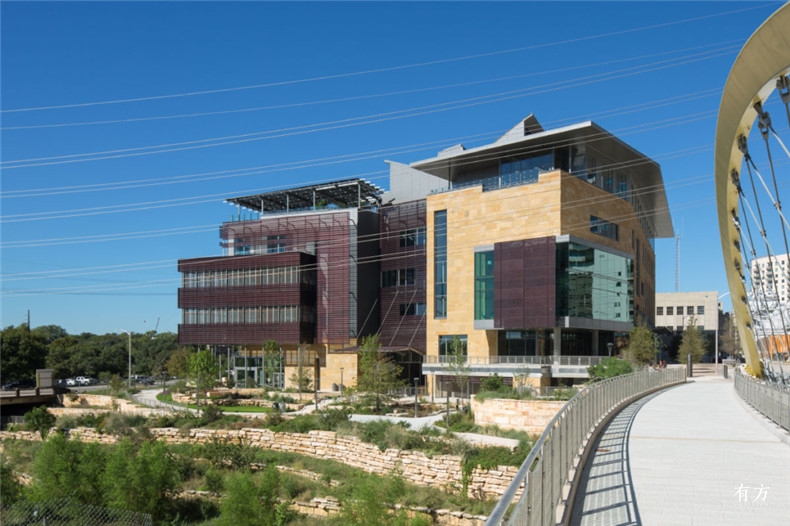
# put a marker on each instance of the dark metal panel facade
(525, 284)
(397, 223)
(327, 243)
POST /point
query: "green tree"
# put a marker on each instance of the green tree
(24, 351)
(693, 343)
(178, 363)
(378, 374)
(302, 378)
(250, 502)
(41, 420)
(641, 348)
(141, 479)
(50, 333)
(272, 362)
(371, 501)
(458, 365)
(729, 342)
(609, 368)
(10, 487)
(64, 468)
(202, 370)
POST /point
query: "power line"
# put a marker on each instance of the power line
(387, 69)
(736, 45)
(341, 123)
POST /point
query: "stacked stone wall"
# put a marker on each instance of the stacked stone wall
(531, 416)
(442, 471)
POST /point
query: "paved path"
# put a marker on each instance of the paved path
(680, 457)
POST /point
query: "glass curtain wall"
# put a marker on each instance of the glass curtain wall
(594, 284)
(484, 285)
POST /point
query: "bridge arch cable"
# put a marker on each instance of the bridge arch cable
(750, 175)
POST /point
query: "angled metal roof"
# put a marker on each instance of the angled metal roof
(345, 193)
(646, 173)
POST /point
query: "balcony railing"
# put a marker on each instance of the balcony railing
(517, 360)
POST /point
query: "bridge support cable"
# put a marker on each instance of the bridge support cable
(751, 228)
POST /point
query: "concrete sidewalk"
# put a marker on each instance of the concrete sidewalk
(693, 454)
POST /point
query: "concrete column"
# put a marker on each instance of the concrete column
(557, 343)
(595, 342)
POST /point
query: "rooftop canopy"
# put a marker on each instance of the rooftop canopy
(341, 194)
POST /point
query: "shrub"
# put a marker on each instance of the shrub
(609, 368)
(492, 383)
(10, 487)
(214, 481)
(41, 420)
(249, 501)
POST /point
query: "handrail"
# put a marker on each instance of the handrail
(769, 399)
(546, 469)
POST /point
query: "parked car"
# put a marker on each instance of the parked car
(85, 380)
(19, 384)
(71, 382)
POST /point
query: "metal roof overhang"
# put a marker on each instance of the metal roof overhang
(345, 193)
(647, 178)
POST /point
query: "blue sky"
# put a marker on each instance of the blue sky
(125, 125)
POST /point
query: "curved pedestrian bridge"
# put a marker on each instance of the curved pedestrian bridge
(691, 454)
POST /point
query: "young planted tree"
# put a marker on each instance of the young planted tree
(641, 348)
(458, 365)
(272, 363)
(729, 342)
(203, 370)
(378, 374)
(693, 343)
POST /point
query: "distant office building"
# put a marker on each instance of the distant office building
(533, 254)
(675, 309)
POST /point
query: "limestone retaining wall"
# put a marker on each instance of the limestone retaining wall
(443, 471)
(531, 416)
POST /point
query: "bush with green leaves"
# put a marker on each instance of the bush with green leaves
(41, 420)
(64, 468)
(609, 368)
(225, 454)
(250, 500)
(492, 383)
(140, 478)
(10, 487)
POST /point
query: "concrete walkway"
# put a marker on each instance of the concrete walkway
(693, 454)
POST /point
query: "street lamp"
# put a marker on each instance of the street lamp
(130, 356)
(341, 381)
(610, 346)
(416, 381)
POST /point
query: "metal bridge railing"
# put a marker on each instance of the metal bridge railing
(771, 400)
(547, 468)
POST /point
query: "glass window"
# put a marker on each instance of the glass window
(701, 310)
(604, 228)
(587, 283)
(440, 264)
(275, 244)
(670, 311)
(412, 237)
(446, 343)
(412, 309)
(690, 310)
(659, 311)
(514, 172)
(484, 285)
(680, 310)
